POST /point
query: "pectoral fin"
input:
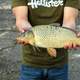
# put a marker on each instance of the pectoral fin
(52, 52)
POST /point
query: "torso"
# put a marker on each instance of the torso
(45, 11)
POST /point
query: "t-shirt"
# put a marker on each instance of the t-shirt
(44, 12)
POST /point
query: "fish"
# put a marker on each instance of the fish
(50, 37)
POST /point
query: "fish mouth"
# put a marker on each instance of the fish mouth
(22, 40)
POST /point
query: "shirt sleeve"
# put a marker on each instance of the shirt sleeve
(72, 3)
(16, 3)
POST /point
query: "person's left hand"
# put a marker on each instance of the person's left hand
(72, 45)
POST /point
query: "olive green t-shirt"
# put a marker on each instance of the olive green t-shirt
(44, 12)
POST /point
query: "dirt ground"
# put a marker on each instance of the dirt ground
(10, 58)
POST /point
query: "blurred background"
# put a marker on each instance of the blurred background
(10, 54)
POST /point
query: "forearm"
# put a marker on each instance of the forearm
(20, 12)
(70, 16)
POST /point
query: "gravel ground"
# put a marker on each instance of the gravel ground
(10, 59)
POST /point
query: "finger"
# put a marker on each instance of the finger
(26, 25)
(20, 28)
(65, 47)
(74, 46)
(68, 46)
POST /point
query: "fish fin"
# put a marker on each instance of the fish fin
(52, 52)
(36, 48)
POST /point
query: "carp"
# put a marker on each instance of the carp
(50, 36)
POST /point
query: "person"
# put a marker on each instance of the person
(39, 65)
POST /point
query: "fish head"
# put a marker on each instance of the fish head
(27, 38)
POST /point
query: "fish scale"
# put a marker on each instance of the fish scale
(50, 36)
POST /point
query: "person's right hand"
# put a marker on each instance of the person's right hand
(23, 25)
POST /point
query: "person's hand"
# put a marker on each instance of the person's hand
(23, 25)
(72, 45)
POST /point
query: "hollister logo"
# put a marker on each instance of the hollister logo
(45, 3)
